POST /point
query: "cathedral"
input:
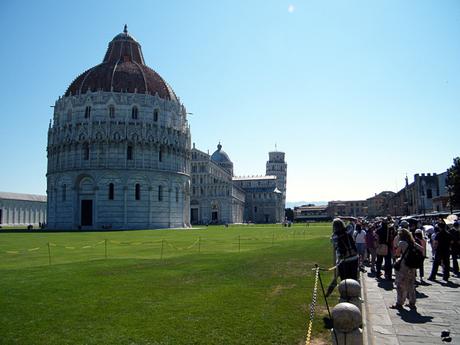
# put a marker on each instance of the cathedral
(219, 197)
(120, 157)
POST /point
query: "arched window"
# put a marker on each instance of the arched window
(111, 111)
(177, 194)
(64, 192)
(160, 193)
(155, 115)
(429, 194)
(138, 191)
(85, 152)
(129, 153)
(111, 191)
(134, 113)
(160, 155)
(87, 112)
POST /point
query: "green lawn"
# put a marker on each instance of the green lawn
(216, 285)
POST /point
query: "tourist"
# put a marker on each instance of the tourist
(345, 249)
(371, 244)
(405, 275)
(359, 236)
(455, 250)
(442, 244)
(422, 243)
(384, 251)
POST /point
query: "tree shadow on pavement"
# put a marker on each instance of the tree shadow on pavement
(413, 316)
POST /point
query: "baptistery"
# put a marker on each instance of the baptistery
(119, 148)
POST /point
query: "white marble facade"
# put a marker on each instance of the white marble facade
(219, 197)
(87, 155)
(215, 199)
(119, 149)
(22, 209)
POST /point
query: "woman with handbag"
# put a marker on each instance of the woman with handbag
(383, 251)
(405, 275)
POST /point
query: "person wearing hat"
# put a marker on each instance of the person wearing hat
(455, 250)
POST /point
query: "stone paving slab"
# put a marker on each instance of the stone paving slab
(438, 308)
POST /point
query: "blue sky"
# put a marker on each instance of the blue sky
(357, 93)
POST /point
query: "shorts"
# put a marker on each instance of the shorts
(361, 247)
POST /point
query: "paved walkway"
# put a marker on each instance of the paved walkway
(438, 308)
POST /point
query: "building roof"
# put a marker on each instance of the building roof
(219, 156)
(24, 197)
(254, 178)
(122, 70)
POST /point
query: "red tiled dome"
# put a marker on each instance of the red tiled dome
(122, 70)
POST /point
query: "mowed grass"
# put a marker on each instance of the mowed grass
(216, 285)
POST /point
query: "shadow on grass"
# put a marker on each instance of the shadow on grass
(327, 322)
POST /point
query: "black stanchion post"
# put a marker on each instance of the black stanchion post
(327, 304)
(49, 254)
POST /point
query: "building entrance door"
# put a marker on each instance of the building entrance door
(214, 216)
(87, 212)
(194, 215)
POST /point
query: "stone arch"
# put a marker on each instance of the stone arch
(116, 136)
(86, 187)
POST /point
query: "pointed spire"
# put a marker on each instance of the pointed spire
(125, 29)
(219, 147)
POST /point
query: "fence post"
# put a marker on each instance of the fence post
(49, 254)
(162, 245)
(105, 249)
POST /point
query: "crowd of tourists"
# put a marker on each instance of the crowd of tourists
(392, 247)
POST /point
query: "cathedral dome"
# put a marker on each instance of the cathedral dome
(122, 70)
(220, 156)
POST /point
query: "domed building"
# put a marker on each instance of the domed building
(219, 197)
(119, 148)
(221, 158)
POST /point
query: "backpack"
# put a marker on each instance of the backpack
(413, 257)
(346, 246)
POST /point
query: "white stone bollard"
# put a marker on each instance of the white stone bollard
(350, 291)
(346, 320)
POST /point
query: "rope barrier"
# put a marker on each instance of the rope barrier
(312, 306)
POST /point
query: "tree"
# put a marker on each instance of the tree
(289, 213)
(453, 184)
